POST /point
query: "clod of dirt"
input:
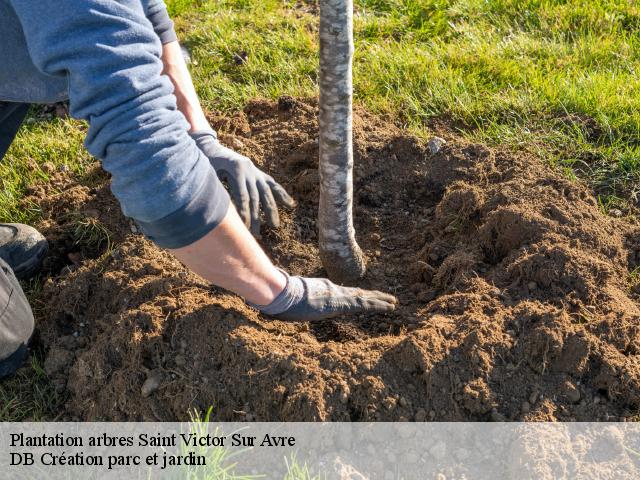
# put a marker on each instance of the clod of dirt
(460, 204)
(570, 391)
(57, 360)
(516, 294)
(151, 384)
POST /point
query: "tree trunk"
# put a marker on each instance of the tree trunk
(340, 254)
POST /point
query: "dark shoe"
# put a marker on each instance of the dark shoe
(23, 248)
(10, 365)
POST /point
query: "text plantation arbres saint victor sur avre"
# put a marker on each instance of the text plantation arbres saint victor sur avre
(189, 440)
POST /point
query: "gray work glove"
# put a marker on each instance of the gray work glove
(250, 187)
(309, 299)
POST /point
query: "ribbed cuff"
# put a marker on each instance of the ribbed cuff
(203, 213)
(198, 135)
(291, 295)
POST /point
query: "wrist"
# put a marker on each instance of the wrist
(290, 296)
(198, 121)
(269, 289)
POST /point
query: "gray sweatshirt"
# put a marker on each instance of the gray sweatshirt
(105, 58)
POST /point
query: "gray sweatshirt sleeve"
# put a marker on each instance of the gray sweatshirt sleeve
(157, 13)
(110, 55)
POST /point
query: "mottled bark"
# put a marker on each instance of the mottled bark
(340, 254)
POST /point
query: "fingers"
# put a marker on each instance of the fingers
(373, 301)
(381, 297)
(372, 305)
(269, 205)
(254, 208)
(280, 193)
(240, 196)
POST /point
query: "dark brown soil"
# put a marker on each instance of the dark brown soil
(516, 296)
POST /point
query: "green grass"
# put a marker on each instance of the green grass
(28, 395)
(40, 149)
(555, 77)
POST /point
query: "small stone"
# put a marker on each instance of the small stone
(615, 213)
(432, 414)
(436, 144)
(375, 237)
(64, 168)
(596, 400)
(180, 361)
(525, 407)
(151, 384)
(134, 229)
(533, 397)
(403, 402)
(532, 285)
(570, 391)
(421, 415)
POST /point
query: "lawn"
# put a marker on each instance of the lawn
(557, 78)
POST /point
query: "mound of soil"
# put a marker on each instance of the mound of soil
(516, 296)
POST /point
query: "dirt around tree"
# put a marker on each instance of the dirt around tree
(517, 295)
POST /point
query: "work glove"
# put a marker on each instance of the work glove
(250, 187)
(311, 299)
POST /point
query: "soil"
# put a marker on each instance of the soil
(517, 294)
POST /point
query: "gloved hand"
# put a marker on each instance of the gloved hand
(309, 299)
(250, 187)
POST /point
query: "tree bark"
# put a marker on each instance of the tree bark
(340, 254)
